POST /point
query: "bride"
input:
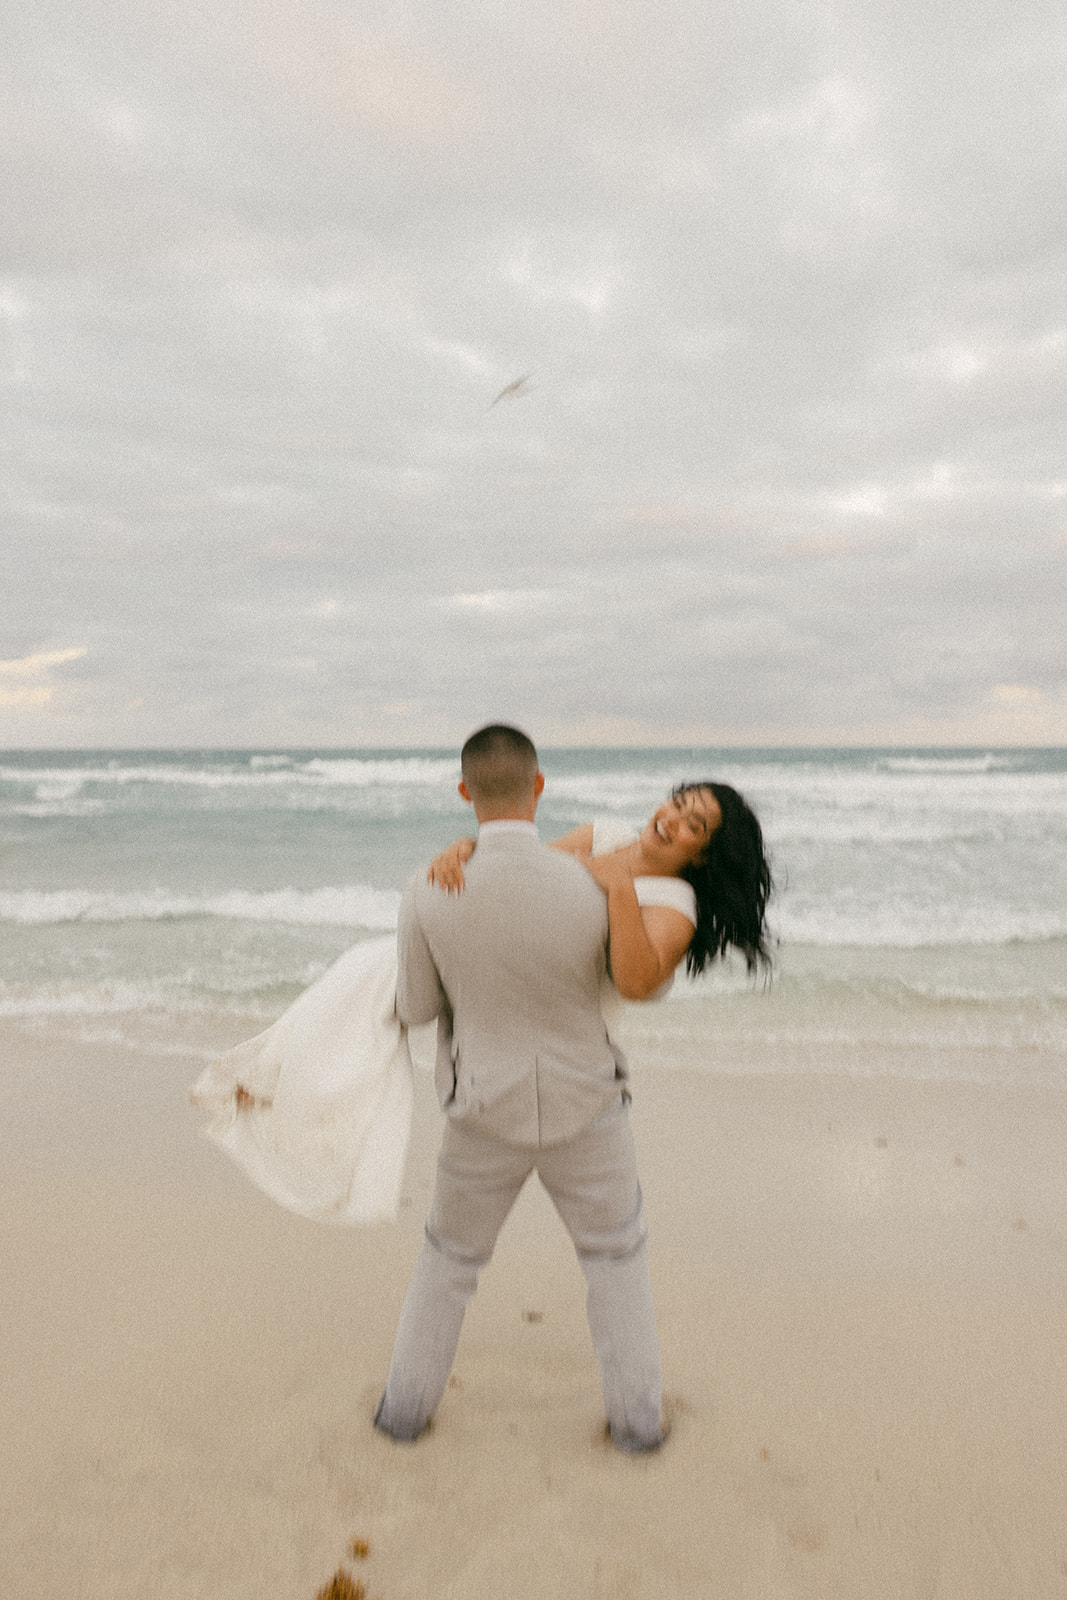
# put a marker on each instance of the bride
(317, 1109)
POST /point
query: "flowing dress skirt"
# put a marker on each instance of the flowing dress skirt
(326, 1134)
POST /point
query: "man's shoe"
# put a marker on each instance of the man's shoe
(640, 1447)
(397, 1438)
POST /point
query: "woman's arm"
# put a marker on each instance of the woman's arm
(446, 869)
(645, 943)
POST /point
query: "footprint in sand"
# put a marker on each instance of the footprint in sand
(779, 1492)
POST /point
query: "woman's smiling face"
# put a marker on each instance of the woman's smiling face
(678, 833)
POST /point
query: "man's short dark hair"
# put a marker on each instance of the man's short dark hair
(499, 765)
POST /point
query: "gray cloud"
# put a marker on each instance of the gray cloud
(789, 286)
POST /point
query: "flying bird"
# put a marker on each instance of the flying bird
(513, 391)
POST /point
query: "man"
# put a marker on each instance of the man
(511, 968)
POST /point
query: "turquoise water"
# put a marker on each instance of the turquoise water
(171, 898)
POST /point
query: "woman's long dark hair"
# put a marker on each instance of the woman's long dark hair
(733, 883)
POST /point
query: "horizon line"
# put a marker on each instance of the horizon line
(447, 749)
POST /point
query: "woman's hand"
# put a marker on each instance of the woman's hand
(612, 871)
(446, 869)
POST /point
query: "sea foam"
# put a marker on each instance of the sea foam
(353, 906)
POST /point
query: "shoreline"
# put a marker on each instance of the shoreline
(995, 1014)
(860, 1290)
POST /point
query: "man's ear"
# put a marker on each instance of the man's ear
(539, 784)
(464, 791)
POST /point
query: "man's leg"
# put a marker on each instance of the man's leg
(478, 1180)
(593, 1183)
(622, 1322)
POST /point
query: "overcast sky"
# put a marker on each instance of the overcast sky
(789, 283)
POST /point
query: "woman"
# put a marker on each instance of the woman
(317, 1109)
(692, 883)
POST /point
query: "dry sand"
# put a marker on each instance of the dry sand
(860, 1287)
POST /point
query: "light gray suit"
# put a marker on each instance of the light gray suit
(511, 968)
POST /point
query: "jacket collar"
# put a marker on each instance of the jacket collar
(506, 825)
(511, 837)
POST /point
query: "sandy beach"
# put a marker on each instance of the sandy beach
(860, 1289)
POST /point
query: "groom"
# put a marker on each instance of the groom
(511, 969)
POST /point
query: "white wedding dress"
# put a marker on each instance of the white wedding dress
(326, 1132)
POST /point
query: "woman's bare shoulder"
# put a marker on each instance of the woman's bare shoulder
(579, 842)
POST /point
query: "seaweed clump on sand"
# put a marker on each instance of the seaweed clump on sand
(342, 1586)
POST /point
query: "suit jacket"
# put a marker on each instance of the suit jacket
(511, 968)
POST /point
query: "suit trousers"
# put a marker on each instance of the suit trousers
(592, 1180)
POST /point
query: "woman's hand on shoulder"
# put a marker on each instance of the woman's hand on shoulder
(613, 870)
(446, 869)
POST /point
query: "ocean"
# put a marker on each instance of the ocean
(177, 900)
